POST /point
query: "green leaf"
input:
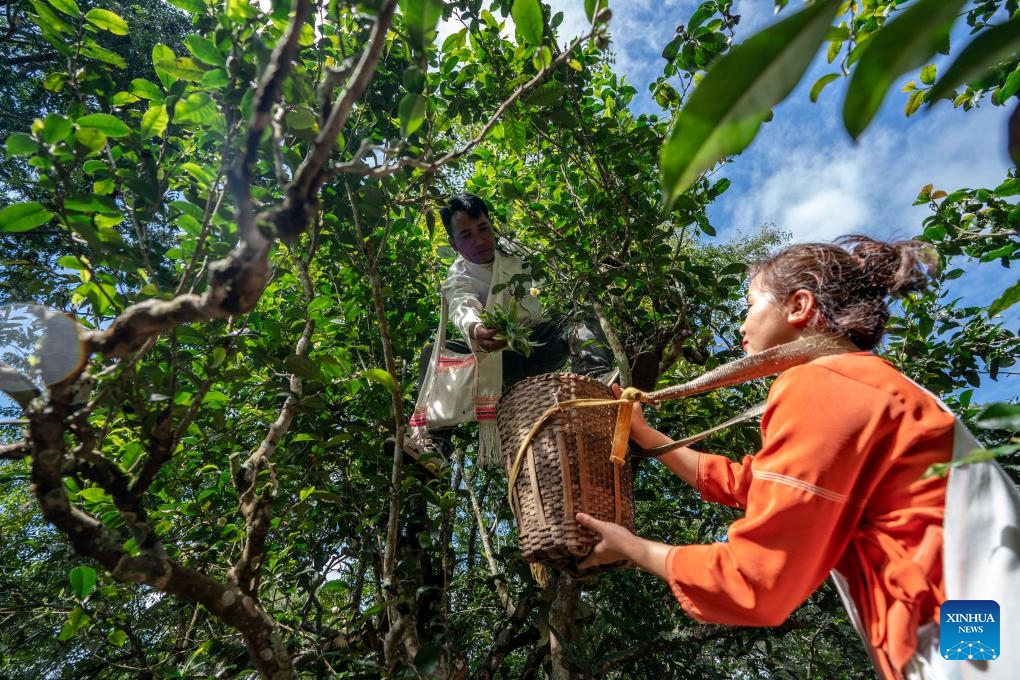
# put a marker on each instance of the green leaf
(239, 10)
(700, 16)
(146, 89)
(543, 58)
(1000, 417)
(420, 17)
(90, 138)
(116, 637)
(591, 7)
(306, 492)
(49, 20)
(102, 54)
(904, 43)
(928, 74)
(197, 108)
(914, 102)
(169, 67)
(412, 113)
(205, 50)
(219, 355)
(76, 620)
(111, 126)
(834, 49)
(183, 68)
(123, 99)
(727, 108)
(515, 133)
(83, 581)
(301, 119)
(302, 366)
(107, 21)
(215, 79)
(71, 262)
(23, 217)
(820, 84)
(380, 377)
(68, 7)
(989, 48)
(1009, 87)
(56, 128)
(154, 121)
(527, 15)
(90, 203)
(193, 6)
(202, 174)
(336, 585)
(20, 144)
(1010, 297)
(54, 82)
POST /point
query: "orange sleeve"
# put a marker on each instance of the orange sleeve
(803, 493)
(720, 480)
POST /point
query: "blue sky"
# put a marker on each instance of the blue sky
(804, 174)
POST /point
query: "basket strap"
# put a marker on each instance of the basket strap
(759, 365)
(750, 413)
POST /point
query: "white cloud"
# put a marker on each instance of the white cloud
(804, 175)
(575, 22)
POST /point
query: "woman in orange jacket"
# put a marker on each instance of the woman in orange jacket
(837, 485)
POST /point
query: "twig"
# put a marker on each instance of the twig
(357, 167)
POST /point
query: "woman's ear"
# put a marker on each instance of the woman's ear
(801, 308)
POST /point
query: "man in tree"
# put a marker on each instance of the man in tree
(486, 275)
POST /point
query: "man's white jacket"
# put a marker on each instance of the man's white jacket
(468, 290)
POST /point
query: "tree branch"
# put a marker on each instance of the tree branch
(508, 640)
(91, 538)
(15, 451)
(37, 58)
(357, 167)
(269, 88)
(236, 284)
(294, 216)
(256, 501)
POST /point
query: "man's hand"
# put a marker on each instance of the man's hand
(485, 338)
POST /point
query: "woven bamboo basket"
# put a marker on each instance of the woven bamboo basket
(566, 468)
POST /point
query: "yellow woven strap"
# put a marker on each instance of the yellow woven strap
(620, 435)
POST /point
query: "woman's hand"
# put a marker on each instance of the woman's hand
(613, 542)
(616, 544)
(640, 431)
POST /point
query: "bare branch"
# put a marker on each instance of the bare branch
(266, 95)
(308, 177)
(476, 508)
(236, 284)
(255, 501)
(91, 538)
(513, 636)
(15, 451)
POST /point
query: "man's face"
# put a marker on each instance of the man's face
(473, 237)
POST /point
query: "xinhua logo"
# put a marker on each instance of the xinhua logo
(969, 630)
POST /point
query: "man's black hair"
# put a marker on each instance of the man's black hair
(468, 203)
